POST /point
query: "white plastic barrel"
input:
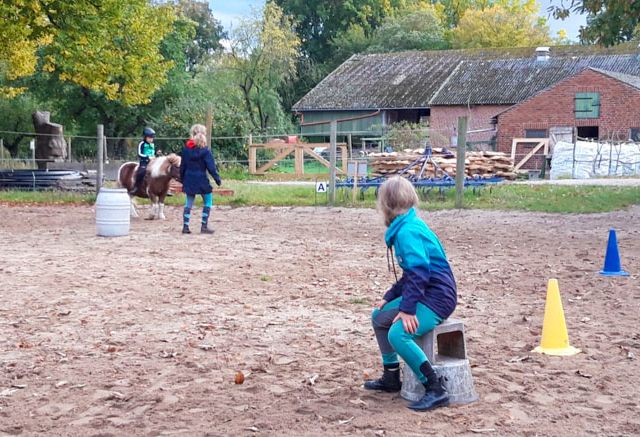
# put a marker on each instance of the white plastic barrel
(112, 213)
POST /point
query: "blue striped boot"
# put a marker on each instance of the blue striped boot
(205, 219)
(186, 216)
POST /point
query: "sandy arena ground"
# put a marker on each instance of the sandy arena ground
(143, 335)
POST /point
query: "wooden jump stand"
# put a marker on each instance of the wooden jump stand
(298, 149)
(539, 143)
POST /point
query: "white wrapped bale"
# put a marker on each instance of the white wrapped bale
(586, 160)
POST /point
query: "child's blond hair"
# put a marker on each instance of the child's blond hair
(199, 135)
(395, 197)
(200, 139)
(198, 129)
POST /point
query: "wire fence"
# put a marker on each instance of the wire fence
(233, 150)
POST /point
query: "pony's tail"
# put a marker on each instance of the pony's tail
(119, 174)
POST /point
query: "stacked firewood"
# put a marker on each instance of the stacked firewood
(477, 164)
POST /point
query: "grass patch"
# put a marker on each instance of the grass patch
(359, 301)
(541, 198)
(557, 199)
(246, 194)
(47, 197)
(310, 167)
(234, 172)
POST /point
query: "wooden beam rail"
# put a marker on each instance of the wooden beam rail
(299, 150)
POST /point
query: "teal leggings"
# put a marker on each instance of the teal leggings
(206, 210)
(206, 198)
(393, 340)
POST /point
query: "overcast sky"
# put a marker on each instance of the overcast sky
(228, 11)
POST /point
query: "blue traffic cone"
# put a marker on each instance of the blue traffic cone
(612, 265)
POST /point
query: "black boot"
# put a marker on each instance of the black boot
(205, 219)
(186, 215)
(390, 381)
(435, 394)
(142, 169)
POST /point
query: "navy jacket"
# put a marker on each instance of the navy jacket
(427, 277)
(196, 162)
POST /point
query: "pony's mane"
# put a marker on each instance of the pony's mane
(161, 165)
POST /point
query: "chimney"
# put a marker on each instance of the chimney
(542, 54)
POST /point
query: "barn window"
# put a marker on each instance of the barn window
(535, 133)
(588, 132)
(634, 135)
(587, 105)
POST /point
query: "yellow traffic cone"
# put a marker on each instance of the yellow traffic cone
(555, 339)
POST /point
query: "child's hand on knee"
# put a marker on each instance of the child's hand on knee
(409, 322)
(380, 304)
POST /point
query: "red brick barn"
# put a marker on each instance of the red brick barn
(436, 87)
(482, 89)
(593, 104)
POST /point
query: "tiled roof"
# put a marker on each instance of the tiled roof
(509, 81)
(415, 79)
(382, 81)
(634, 81)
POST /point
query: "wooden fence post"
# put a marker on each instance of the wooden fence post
(332, 161)
(460, 173)
(209, 124)
(100, 146)
(299, 159)
(253, 155)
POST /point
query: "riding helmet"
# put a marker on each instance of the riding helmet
(148, 132)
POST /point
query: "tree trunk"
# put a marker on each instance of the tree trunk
(13, 146)
(50, 142)
(246, 90)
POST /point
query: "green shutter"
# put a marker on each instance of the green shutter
(587, 105)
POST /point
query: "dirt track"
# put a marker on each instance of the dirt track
(143, 335)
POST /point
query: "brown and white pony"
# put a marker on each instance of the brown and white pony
(155, 185)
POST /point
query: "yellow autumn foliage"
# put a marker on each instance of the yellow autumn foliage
(507, 23)
(107, 46)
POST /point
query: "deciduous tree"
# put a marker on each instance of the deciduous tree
(505, 24)
(208, 32)
(106, 46)
(415, 28)
(609, 22)
(263, 57)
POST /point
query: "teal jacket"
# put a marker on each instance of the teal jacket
(427, 277)
(146, 150)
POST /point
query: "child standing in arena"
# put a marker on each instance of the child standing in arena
(197, 161)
